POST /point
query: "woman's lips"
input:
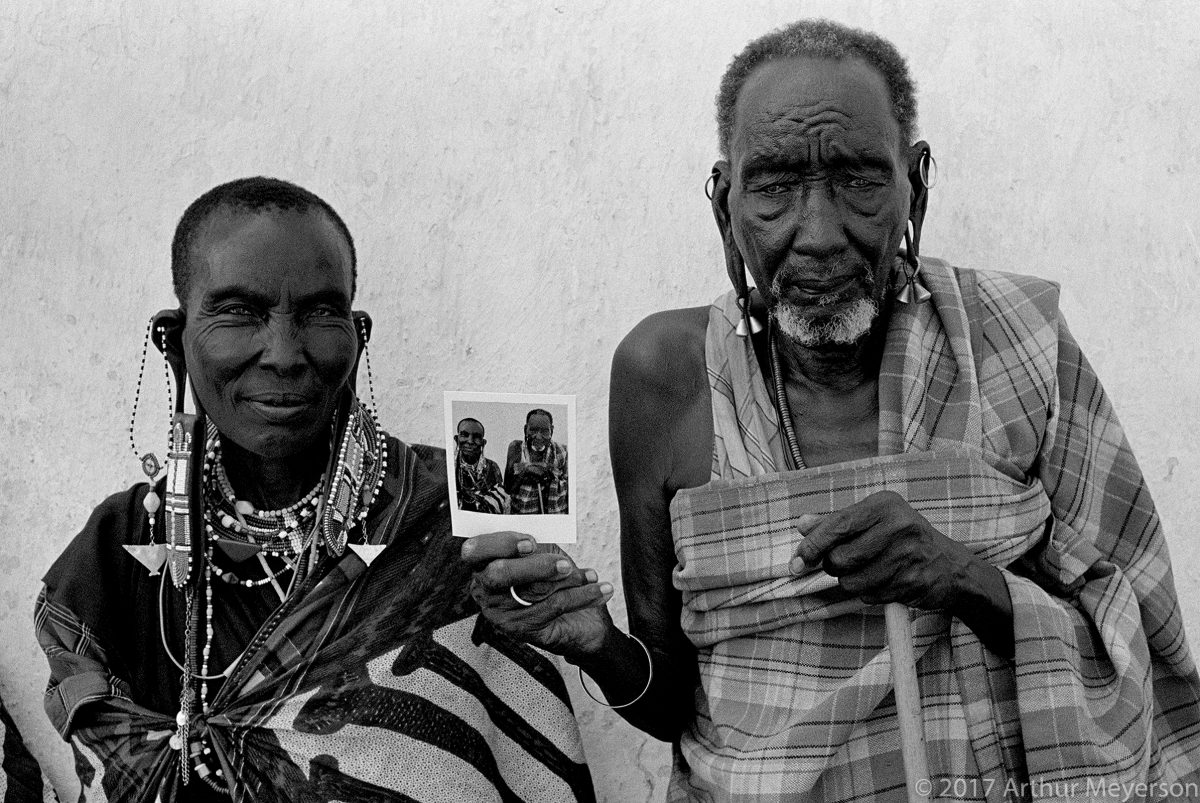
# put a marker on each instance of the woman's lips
(279, 407)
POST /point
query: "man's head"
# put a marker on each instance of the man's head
(539, 427)
(819, 180)
(265, 276)
(470, 440)
(820, 39)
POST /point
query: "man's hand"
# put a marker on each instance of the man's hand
(569, 614)
(881, 550)
(533, 471)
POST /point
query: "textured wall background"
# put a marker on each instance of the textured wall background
(524, 182)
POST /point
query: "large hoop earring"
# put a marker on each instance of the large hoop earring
(927, 169)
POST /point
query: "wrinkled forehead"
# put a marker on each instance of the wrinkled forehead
(538, 421)
(234, 246)
(815, 108)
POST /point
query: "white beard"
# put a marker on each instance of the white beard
(842, 328)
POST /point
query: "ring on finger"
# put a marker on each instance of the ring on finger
(520, 600)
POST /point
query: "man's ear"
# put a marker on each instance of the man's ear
(918, 154)
(735, 266)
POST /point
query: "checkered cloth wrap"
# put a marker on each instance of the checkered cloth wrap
(999, 433)
(552, 497)
(370, 683)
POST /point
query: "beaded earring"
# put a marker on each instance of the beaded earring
(365, 335)
(150, 555)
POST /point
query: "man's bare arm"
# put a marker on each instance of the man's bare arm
(660, 438)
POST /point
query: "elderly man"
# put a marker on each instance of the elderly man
(870, 426)
(535, 471)
(478, 480)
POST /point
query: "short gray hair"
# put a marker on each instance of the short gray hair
(820, 38)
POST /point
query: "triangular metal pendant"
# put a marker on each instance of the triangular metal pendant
(368, 552)
(922, 295)
(237, 551)
(152, 556)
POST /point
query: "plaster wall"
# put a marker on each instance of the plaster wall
(524, 181)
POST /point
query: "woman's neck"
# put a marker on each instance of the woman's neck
(273, 484)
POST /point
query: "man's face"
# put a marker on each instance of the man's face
(538, 430)
(819, 195)
(470, 440)
(268, 339)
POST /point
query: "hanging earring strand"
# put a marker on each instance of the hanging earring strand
(362, 325)
(149, 461)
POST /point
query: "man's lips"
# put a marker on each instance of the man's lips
(809, 289)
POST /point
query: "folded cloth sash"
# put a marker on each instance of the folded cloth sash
(795, 677)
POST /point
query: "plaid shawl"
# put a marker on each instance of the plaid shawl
(371, 683)
(550, 497)
(994, 427)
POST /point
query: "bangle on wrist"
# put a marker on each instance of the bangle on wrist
(642, 694)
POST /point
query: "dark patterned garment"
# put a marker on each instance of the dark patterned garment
(21, 779)
(374, 681)
(480, 486)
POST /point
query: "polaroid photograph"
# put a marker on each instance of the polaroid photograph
(510, 464)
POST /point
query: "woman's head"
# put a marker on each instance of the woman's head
(265, 275)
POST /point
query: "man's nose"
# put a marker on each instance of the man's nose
(282, 345)
(820, 228)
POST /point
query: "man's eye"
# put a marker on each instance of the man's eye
(774, 189)
(859, 183)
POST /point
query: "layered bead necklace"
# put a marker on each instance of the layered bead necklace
(292, 537)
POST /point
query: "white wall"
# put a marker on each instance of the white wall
(524, 181)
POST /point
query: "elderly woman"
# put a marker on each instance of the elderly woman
(282, 614)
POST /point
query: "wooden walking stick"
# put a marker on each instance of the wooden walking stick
(908, 703)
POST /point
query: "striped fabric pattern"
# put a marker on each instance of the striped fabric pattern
(374, 682)
(993, 425)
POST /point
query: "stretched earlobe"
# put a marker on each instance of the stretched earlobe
(166, 330)
(362, 327)
(922, 175)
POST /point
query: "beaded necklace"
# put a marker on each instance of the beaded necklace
(296, 536)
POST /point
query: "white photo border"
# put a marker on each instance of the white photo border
(547, 529)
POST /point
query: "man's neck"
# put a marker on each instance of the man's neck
(272, 484)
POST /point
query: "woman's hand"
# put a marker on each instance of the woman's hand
(568, 615)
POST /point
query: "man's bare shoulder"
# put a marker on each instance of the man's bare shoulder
(665, 352)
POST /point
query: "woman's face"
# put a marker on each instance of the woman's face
(268, 339)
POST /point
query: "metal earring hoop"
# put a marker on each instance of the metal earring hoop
(928, 170)
(710, 185)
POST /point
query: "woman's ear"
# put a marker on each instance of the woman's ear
(362, 328)
(166, 330)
